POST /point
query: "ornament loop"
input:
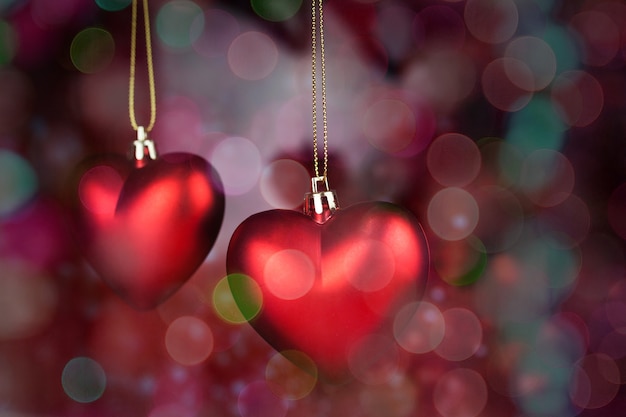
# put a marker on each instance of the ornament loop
(320, 205)
(143, 145)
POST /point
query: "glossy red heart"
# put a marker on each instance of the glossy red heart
(146, 230)
(326, 286)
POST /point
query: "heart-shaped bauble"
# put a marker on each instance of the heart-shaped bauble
(326, 286)
(145, 230)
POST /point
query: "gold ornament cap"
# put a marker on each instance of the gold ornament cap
(320, 204)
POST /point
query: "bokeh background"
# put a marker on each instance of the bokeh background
(499, 123)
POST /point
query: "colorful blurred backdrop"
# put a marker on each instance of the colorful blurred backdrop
(501, 124)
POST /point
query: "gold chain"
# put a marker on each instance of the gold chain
(133, 58)
(314, 28)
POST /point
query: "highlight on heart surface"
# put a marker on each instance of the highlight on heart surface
(146, 230)
(324, 289)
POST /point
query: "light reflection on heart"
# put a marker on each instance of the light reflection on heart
(327, 285)
(146, 230)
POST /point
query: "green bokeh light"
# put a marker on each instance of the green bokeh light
(113, 5)
(276, 10)
(247, 295)
(179, 23)
(7, 43)
(471, 275)
(92, 50)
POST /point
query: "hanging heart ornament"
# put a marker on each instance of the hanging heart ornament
(146, 229)
(327, 278)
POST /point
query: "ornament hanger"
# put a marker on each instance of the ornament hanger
(322, 59)
(319, 204)
(142, 144)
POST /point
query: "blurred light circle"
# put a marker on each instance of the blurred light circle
(18, 182)
(498, 88)
(238, 162)
(28, 301)
(189, 340)
(536, 126)
(419, 327)
(291, 374)
(491, 21)
(460, 262)
(463, 335)
(292, 121)
(395, 398)
(113, 5)
(374, 360)
(276, 10)
(452, 213)
(179, 23)
(460, 392)
(393, 29)
(92, 50)
(614, 345)
(252, 56)
(547, 177)
(501, 162)
(389, 125)
(258, 400)
(237, 298)
(564, 45)
(600, 37)
(378, 269)
(595, 381)
(501, 221)
(289, 274)
(225, 305)
(180, 127)
(83, 380)
(443, 77)
(220, 28)
(578, 97)
(453, 159)
(538, 57)
(103, 198)
(8, 42)
(284, 183)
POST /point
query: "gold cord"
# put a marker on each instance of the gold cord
(314, 30)
(133, 56)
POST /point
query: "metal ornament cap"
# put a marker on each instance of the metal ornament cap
(320, 205)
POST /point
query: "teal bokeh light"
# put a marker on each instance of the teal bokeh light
(113, 5)
(536, 126)
(565, 50)
(18, 182)
(179, 23)
(83, 380)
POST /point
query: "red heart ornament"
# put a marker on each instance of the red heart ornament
(325, 285)
(146, 230)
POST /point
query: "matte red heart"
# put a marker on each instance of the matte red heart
(146, 230)
(326, 286)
